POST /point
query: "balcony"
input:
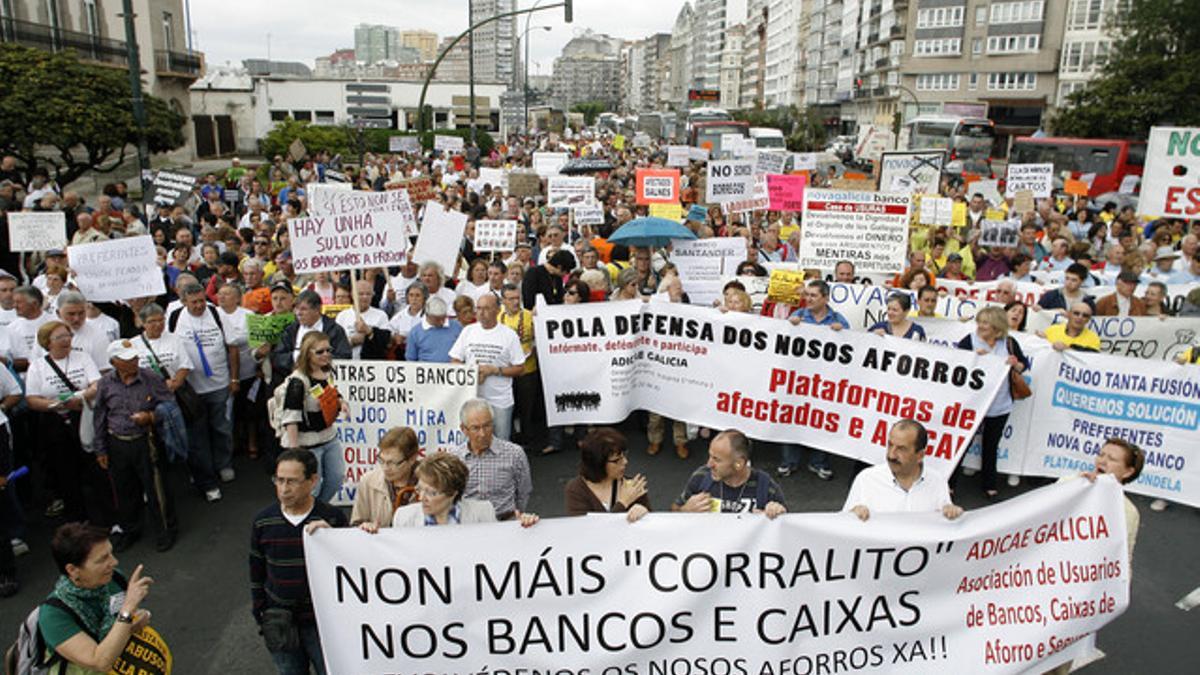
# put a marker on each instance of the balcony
(178, 64)
(86, 47)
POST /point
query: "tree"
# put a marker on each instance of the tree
(809, 134)
(1152, 76)
(72, 116)
(590, 109)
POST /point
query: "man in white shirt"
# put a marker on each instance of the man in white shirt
(215, 361)
(22, 332)
(361, 326)
(87, 338)
(8, 283)
(902, 484)
(495, 349)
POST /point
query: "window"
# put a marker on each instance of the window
(91, 21)
(940, 17)
(981, 15)
(323, 117)
(302, 115)
(1085, 14)
(937, 82)
(1017, 12)
(1065, 89)
(938, 47)
(279, 115)
(977, 45)
(168, 26)
(1013, 44)
(1012, 81)
(1084, 56)
(973, 81)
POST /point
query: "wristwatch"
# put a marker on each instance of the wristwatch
(125, 617)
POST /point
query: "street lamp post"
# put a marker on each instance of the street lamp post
(525, 79)
(139, 106)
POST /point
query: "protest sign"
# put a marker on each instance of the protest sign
(495, 235)
(706, 260)
(296, 150)
(958, 214)
(37, 231)
(618, 142)
(1077, 188)
(1023, 202)
(546, 164)
(873, 141)
(641, 139)
(786, 193)
(836, 390)
(678, 155)
(657, 186)
(668, 211)
(524, 184)
(588, 214)
(990, 189)
(699, 154)
(1012, 588)
(334, 202)
(332, 310)
(912, 171)
(1169, 188)
(936, 210)
(350, 240)
(146, 653)
(266, 329)
(404, 144)
(1037, 178)
(1079, 400)
(1137, 337)
(805, 161)
(697, 212)
(448, 143)
(1025, 291)
(569, 191)
(786, 286)
(865, 305)
(334, 176)
(420, 190)
(491, 176)
(172, 188)
(869, 229)
(729, 180)
(770, 161)
(385, 394)
(857, 184)
(117, 269)
(759, 199)
(1004, 233)
(440, 238)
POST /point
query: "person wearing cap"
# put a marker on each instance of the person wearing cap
(430, 340)
(125, 445)
(1164, 264)
(953, 269)
(1123, 302)
(1074, 333)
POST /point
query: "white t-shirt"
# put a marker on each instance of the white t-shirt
(22, 335)
(8, 387)
(204, 329)
(109, 325)
(7, 316)
(375, 318)
(498, 346)
(41, 380)
(403, 322)
(90, 340)
(475, 292)
(171, 353)
(237, 334)
(447, 295)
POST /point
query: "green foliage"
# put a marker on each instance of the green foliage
(590, 109)
(343, 140)
(377, 139)
(804, 130)
(809, 134)
(74, 117)
(1152, 76)
(782, 118)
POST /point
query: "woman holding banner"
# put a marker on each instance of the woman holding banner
(991, 337)
(601, 486)
(310, 405)
(897, 322)
(441, 482)
(390, 485)
(410, 315)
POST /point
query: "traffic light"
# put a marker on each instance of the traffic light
(568, 10)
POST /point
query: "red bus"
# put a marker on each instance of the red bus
(1110, 159)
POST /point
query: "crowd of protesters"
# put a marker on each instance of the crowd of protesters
(120, 393)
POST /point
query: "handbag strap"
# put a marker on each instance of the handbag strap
(154, 360)
(61, 375)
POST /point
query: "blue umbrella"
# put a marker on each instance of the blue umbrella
(645, 232)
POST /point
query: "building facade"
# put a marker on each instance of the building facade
(731, 68)
(495, 44)
(589, 69)
(425, 42)
(1086, 43)
(782, 85)
(374, 43)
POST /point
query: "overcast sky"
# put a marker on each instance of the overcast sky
(301, 30)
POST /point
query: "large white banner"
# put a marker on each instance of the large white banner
(1169, 188)
(354, 240)
(448, 143)
(870, 229)
(1025, 291)
(1138, 337)
(37, 231)
(839, 391)
(117, 269)
(863, 306)
(387, 394)
(1012, 588)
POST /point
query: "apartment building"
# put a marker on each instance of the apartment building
(1086, 43)
(754, 53)
(588, 70)
(823, 52)
(495, 44)
(731, 68)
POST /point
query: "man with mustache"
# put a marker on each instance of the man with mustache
(903, 483)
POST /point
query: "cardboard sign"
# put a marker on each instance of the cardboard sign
(296, 150)
(1023, 202)
(668, 211)
(546, 164)
(912, 171)
(786, 286)
(786, 193)
(524, 184)
(172, 188)
(117, 269)
(869, 229)
(588, 215)
(495, 235)
(420, 190)
(678, 155)
(267, 329)
(441, 237)
(1005, 233)
(1037, 178)
(568, 191)
(1169, 181)
(855, 184)
(36, 231)
(804, 161)
(448, 143)
(729, 180)
(657, 186)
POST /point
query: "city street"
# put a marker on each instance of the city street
(201, 601)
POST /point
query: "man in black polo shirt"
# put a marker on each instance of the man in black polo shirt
(728, 484)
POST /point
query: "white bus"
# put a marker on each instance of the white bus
(961, 137)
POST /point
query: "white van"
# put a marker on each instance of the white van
(767, 138)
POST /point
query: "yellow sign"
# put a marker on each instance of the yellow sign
(332, 311)
(146, 653)
(619, 142)
(958, 214)
(994, 214)
(786, 286)
(668, 211)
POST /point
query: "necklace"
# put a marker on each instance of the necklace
(742, 491)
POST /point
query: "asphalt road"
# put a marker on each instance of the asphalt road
(201, 600)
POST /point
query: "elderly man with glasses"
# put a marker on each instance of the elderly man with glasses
(1074, 333)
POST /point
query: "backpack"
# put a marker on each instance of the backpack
(173, 320)
(275, 406)
(27, 656)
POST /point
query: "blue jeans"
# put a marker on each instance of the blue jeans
(211, 440)
(791, 452)
(331, 470)
(502, 423)
(296, 661)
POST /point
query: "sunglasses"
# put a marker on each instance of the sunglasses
(572, 293)
(323, 351)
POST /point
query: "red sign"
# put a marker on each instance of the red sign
(704, 95)
(657, 186)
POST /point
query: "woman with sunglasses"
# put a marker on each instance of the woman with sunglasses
(389, 485)
(602, 486)
(310, 405)
(441, 482)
